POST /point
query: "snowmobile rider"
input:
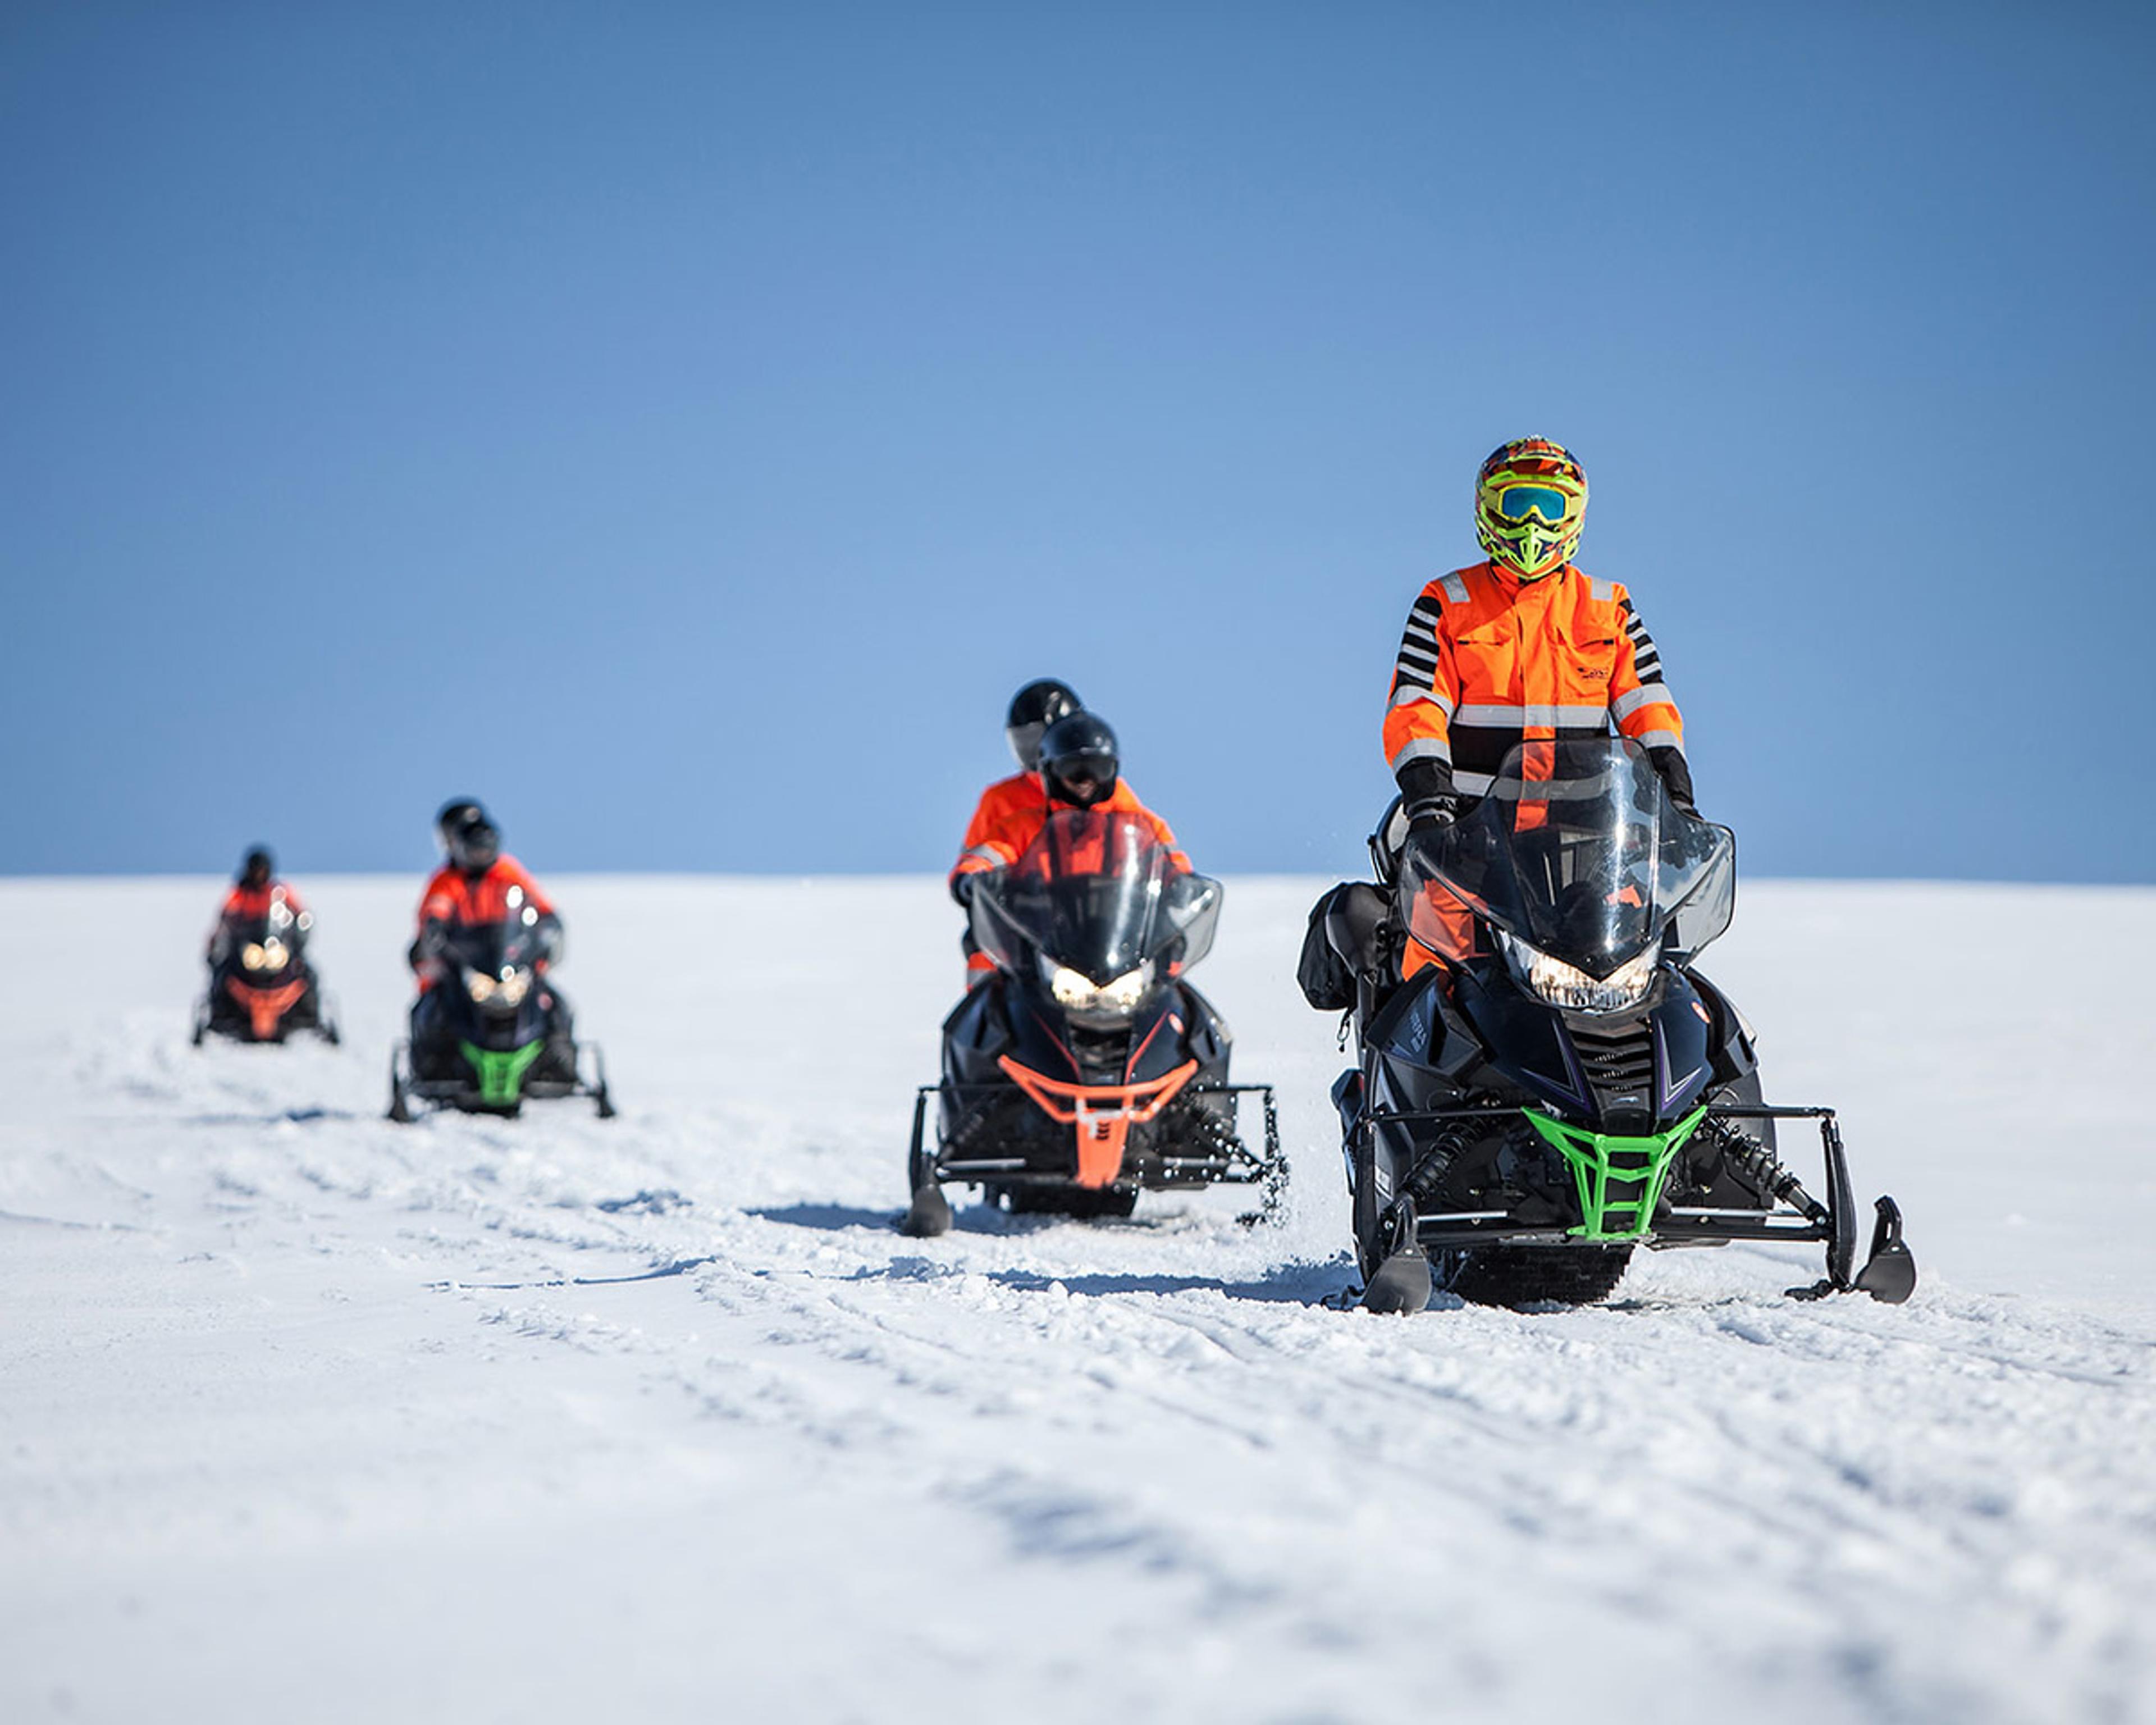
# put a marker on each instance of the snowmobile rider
(1033, 710)
(477, 885)
(474, 886)
(1523, 647)
(1079, 767)
(255, 889)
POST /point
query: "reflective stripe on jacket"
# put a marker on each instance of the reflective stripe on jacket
(1489, 660)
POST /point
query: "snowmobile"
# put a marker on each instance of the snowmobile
(261, 987)
(1563, 1087)
(1085, 1068)
(494, 1033)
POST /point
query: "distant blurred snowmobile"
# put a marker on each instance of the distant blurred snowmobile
(494, 1033)
(261, 986)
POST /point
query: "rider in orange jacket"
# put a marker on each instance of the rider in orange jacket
(254, 891)
(476, 884)
(479, 885)
(1033, 710)
(1080, 768)
(1523, 647)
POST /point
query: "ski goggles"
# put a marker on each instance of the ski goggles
(1517, 503)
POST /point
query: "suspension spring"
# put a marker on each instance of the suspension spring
(1753, 1164)
(1433, 1165)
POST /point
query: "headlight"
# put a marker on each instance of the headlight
(251, 956)
(270, 955)
(1556, 983)
(1074, 992)
(508, 988)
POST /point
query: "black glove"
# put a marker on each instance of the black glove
(1676, 778)
(1432, 815)
(963, 887)
(1427, 797)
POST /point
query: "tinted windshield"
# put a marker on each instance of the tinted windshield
(494, 947)
(1578, 850)
(1097, 892)
(279, 923)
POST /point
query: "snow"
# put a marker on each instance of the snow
(307, 1415)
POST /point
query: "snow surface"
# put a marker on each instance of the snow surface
(308, 1416)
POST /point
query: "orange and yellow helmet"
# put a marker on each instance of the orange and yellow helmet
(1530, 503)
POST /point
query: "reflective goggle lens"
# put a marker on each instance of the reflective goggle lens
(1517, 502)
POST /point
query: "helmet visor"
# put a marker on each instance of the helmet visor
(474, 845)
(1517, 503)
(1025, 742)
(1084, 779)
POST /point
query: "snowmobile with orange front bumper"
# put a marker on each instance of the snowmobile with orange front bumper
(1083, 1069)
(1562, 1087)
(261, 987)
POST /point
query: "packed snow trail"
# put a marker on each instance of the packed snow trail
(310, 1414)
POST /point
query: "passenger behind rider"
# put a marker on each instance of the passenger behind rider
(1036, 707)
(1079, 767)
(478, 885)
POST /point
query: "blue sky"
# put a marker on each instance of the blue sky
(684, 426)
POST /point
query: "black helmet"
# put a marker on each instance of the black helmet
(1078, 760)
(1033, 710)
(257, 867)
(468, 836)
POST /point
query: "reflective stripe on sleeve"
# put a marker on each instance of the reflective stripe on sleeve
(1473, 784)
(1626, 705)
(1423, 748)
(1659, 739)
(1407, 697)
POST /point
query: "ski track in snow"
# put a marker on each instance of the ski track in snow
(658, 1417)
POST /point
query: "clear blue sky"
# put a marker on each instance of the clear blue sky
(683, 426)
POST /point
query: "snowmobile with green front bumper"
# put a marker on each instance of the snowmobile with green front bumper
(494, 1032)
(1562, 1087)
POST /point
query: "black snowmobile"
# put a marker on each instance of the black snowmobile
(261, 986)
(494, 1033)
(1564, 1087)
(1085, 1068)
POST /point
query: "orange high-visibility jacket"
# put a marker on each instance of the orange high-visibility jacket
(245, 903)
(456, 898)
(460, 900)
(1009, 818)
(1005, 806)
(1490, 660)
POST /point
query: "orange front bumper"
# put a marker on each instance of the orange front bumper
(1102, 1113)
(264, 1006)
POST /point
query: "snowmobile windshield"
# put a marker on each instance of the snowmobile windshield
(268, 938)
(497, 948)
(1098, 893)
(1578, 850)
